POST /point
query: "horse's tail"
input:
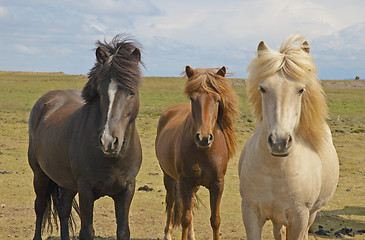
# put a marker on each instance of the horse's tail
(178, 210)
(71, 221)
(50, 214)
(176, 219)
(50, 217)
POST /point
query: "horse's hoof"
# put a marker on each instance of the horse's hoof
(167, 237)
(123, 235)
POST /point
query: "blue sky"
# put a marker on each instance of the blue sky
(60, 36)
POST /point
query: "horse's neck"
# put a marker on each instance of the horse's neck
(261, 131)
(89, 116)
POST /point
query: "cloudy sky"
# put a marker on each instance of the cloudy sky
(60, 35)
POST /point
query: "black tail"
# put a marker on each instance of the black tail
(50, 217)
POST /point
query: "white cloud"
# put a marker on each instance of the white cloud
(177, 33)
(26, 50)
(98, 27)
(350, 39)
(341, 55)
(141, 7)
(3, 12)
(63, 51)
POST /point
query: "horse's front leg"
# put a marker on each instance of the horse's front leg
(122, 204)
(216, 190)
(191, 233)
(186, 194)
(312, 217)
(86, 199)
(298, 225)
(253, 223)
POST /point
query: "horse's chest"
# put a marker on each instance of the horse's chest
(281, 196)
(203, 173)
(110, 185)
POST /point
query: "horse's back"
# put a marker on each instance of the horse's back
(50, 128)
(169, 125)
(52, 103)
(173, 116)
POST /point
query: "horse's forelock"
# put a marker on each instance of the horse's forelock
(121, 64)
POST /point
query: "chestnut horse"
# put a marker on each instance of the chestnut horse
(289, 167)
(193, 145)
(87, 142)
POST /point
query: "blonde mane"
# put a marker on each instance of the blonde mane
(208, 80)
(295, 62)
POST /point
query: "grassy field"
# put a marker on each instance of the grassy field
(19, 91)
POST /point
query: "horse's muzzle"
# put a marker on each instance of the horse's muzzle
(204, 141)
(109, 145)
(280, 147)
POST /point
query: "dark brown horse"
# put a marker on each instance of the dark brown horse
(87, 142)
(193, 145)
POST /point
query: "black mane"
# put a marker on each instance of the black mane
(118, 60)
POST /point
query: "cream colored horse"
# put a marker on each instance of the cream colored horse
(289, 167)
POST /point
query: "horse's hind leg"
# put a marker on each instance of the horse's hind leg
(170, 185)
(64, 210)
(279, 231)
(40, 183)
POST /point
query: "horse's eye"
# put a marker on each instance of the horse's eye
(131, 93)
(301, 91)
(262, 89)
(218, 100)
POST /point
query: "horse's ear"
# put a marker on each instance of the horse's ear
(189, 71)
(305, 46)
(222, 71)
(101, 55)
(136, 55)
(261, 48)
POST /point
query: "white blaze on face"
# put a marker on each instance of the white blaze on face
(112, 89)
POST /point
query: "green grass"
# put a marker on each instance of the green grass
(20, 90)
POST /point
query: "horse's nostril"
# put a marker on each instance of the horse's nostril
(211, 137)
(289, 142)
(270, 141)
(115, 141)
(109, 143)
(203, 141)
(198, 137)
